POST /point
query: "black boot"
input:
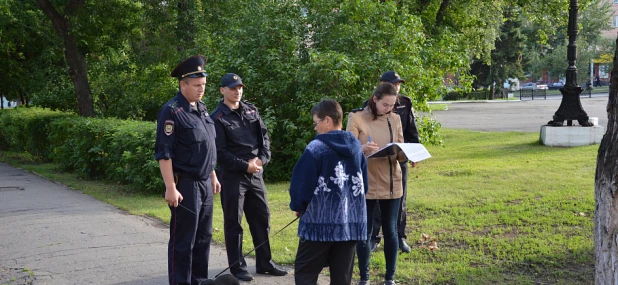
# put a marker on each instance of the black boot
(403, 246)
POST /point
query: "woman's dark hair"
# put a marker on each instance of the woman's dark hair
(328, 107)
(384, 89)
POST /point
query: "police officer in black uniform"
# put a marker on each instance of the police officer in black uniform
(243, 149)
(186, 150)
(404, 109)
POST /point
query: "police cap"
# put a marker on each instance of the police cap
(190, 68)
(391, 77)
(231, 80)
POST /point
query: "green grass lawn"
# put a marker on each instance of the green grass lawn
(503, 209)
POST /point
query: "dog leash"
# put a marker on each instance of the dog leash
(237, 261)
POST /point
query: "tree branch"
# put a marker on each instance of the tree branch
(60, 24)
(72, 6)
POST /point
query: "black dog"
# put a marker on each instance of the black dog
(226, 279)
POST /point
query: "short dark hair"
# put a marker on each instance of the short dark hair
(328, 107)
(384, 89)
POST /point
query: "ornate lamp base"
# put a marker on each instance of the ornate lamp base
(570, 109)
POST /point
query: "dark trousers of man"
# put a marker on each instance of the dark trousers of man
(312, 256)
(190, 233)
(401, 225)
(245, 192)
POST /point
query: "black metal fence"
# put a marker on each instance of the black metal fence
(532, 93)
(523, 93)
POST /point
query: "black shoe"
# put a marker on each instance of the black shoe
(403, 246)
(243, 276)
(274, 272)
(374, 245)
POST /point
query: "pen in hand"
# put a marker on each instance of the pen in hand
(369, 139)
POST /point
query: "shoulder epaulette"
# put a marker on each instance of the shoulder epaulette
(216, 113)
(250, 105)
(405, 98)
(175, 106)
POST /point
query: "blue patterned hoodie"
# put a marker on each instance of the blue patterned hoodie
(328, 186)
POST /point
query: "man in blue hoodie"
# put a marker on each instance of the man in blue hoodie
(328, 189)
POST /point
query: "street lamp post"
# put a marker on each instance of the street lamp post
(571, 108)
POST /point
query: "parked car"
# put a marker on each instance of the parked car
(531, 86)
(527, 86)
(558, 84)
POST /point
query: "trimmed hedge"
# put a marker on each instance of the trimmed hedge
(27, 129)
(459, 95)
(112, 149)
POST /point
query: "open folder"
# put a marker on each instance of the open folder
(414, 151)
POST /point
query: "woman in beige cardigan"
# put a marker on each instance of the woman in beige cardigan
(375, 126)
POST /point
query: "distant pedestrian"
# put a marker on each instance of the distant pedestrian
(597, 81)
(186, 151)
(328, 187)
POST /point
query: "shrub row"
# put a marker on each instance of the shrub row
(459, 95)
(112, 149)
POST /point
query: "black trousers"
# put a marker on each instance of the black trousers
(401, 218)
(190, 234)
(312, 256)
(245, 192)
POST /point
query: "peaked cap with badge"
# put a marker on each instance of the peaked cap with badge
(192, 67)
(231, 80)
(391, 77)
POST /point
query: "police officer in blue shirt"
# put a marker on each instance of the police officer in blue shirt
(243, 149)
(186, 150)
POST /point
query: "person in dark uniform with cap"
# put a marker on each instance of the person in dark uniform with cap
(404, 109)
(186, 150)
(243, 149)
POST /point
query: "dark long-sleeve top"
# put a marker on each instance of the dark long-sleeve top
(241, 136)
(186, 135)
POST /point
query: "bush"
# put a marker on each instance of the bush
(460, 95)
(478, 95)
(131, 156)
(27, 129)
(453, 95)
(81, 144)
(113, 149)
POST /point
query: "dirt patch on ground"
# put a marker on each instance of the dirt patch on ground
(15, 276)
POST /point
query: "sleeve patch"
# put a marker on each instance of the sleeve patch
(168, 127)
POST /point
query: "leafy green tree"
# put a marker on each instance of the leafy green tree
(547, 50)
(76, 59)
(506, 58)
(23, 61)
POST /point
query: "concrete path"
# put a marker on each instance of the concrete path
(521, 116)
(50, 234)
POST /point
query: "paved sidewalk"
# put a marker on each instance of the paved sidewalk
(521, 116)
(61, 236)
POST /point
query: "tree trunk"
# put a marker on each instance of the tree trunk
(422, 4)
(606, 194)
(185, 26)
(24, 99)
(442, 12)
(492, 91)
(78, 69)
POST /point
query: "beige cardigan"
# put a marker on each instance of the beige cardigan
(362, 125)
